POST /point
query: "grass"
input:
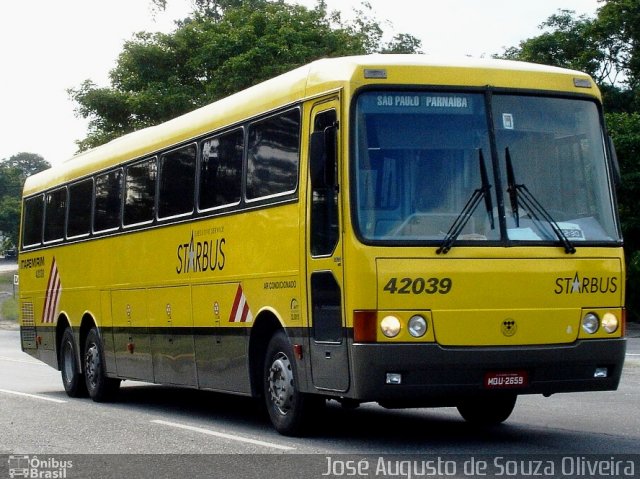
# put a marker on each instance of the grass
(8, 305)
(9, 310)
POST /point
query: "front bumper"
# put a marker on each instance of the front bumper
(433, 375)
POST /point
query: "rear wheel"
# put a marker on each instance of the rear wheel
(72, 378)
(487, 411)
(100, 387)
(289, 409)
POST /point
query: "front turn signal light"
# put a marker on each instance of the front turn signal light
(610, 323)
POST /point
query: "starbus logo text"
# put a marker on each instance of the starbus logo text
(586, 284)
(200, 256)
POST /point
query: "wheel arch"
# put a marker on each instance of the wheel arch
(62, 324)
(265, 326)
(86, 324)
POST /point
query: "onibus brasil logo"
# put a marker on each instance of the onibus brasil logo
(35, 467)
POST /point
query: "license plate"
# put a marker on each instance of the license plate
(506, 379)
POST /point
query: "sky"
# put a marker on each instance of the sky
(47, 47)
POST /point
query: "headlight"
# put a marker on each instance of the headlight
(610, 323)
(417, 326)
(390, 326)
(590, 323)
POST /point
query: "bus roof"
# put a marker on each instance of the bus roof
(307, 81)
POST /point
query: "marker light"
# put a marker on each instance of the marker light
(590, 323)
(375, 73)
(417, 326)
(582, 83)
(390, 326)
(610, 323)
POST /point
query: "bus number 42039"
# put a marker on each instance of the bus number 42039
(419, 286)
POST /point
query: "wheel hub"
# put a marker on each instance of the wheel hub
(92, 364)
(280, 382)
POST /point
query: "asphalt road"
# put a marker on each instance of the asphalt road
(37, 418)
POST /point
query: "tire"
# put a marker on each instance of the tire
(487, 411)
(72, 379)
(99, 386)
(290, 410)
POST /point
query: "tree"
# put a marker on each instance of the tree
(224, 47)
(26, 164)
(13, 172)
(618, 26)
(607, 47)
(402, 43)
(569, 42)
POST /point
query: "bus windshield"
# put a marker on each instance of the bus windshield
(420, 156)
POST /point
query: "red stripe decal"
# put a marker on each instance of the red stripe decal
(236, 304)
(52, 297)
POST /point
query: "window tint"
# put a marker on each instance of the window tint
(79, 221)
(55, 209)
(221, 170)
(140, 189)
(273, 155)
(326, 307)
(324, 206)
(108, 201)
(177, 182)
(33, 215)
(416, 167)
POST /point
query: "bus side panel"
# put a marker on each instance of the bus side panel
(106, 325)
(221, 352)
(131, 334)
(171, 335)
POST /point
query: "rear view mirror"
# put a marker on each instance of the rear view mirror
(322, 157)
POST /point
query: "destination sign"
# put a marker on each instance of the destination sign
(412, 102)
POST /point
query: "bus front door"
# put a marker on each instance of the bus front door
(327, 331)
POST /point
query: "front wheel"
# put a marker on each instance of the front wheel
(487, 411)
(100, 387)
(289, 409)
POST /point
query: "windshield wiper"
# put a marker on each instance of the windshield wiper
(536, 210)
(512, 189)
(463, 217)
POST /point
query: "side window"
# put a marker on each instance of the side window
(140, 192)
(54, 213)
(326, 307)
(221, 170)
(79, 221)
(324, 198)
(33, 215)
(273, 155)
(108, 201)
(177, 182)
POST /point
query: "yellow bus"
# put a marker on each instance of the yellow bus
(394, 229)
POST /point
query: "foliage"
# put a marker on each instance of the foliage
(13, 173)
(569, 42)
(618, 24)
(224, 47)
